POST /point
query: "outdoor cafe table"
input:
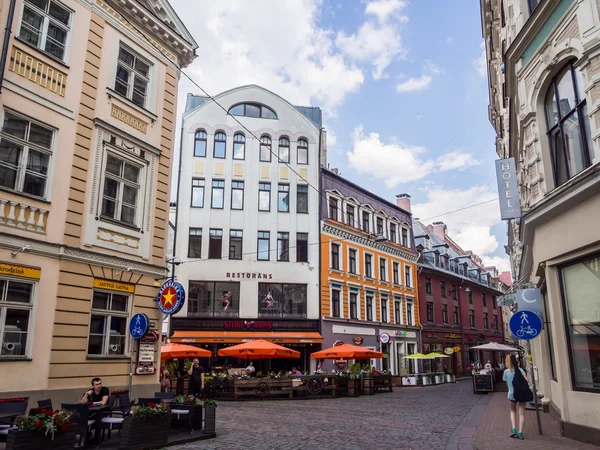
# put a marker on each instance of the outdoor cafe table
(97, 413)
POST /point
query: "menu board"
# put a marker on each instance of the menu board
(146, 354)
(483, 383)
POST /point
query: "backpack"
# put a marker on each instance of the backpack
(521, 391)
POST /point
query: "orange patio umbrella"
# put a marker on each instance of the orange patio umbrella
(259, 349)
(347, 351)
(170, 351)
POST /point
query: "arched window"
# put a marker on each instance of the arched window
(284, 149)
(220, 144)
(569, 136)
(239, 146)
(302, 151)
(265, 148)
(200, 143)
(252, 110)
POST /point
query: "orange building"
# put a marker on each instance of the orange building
(368, 272)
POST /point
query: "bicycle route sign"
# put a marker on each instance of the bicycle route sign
(525, 324)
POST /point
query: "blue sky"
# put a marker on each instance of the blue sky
(402, 88)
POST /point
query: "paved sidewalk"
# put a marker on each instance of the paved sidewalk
(494, 428)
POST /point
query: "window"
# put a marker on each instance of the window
(472, 319)
(486, 324)
(443, 288)
(430, 316)
(398, 311)
(580, 282)
(215, 243)
(16, 305)
(46, 24)
(283, 198)
(302, 199)
(407, 272)
(384, 310)
(494, 303)
(213, 299)
(200, 143)
(264, 245)
(335, 256)
(353, 305)
(333, 208)
(335, 303)
(218, 194)
(195, 243)
(265, 148)
(220, 145)
(382, 269)
(396, 272)
(405, 237)
(237, 195)
(302, 247)
(484, 300)
(392, 232)
(133, 77)
(428, 285)
(284, 150)
(264, 196)
(365, 221)
(252, 110)
(453, 291)
(239, 146)
(283, 246)
(470, 297)
(568, 125)
(495, 322)
(197, 193)
(369, 307)
(409, 313)
(302, 151)
(368, 265)
(380, 226)
(108, 324)
(235, 244)
(121, 188)
(455, 313)
(350, 220)
(281, 300)
(352, 260)
(25, 153)
(445, 314)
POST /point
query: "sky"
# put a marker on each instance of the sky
(402, 85)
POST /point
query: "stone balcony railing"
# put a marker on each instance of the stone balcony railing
(19, 215)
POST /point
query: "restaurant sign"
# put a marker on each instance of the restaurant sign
(110, 285)
(452, 336)
(508, 190)
(146, 354)
(247, 325)
(249, 275)
(358, 340)
(20, 271)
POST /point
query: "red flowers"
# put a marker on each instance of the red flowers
(37, 425)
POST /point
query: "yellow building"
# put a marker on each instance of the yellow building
(87, 116)
(369, 292)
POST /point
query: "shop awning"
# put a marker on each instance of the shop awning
(235, 337)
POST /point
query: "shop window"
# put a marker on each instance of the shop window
(213, 299)
(282, 300)
(108, 324)
(16, 305)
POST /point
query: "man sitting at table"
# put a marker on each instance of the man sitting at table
(97, 395)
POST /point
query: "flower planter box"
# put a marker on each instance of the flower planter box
(450, 378)
(368, 386)
(32, 440)
(409, 381)
(210, 419)
(353, 387)
(195, 411)
(139, 434)
(439, 379)
(382, 383)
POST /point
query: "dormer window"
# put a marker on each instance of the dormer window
(252, 110)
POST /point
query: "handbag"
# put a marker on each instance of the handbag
(521, 391)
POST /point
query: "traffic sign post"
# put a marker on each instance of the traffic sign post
(527, 325)
(138, 327)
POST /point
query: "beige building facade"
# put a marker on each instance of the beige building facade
(544, 77)
(87, 115)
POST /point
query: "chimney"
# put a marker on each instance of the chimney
(335, 171)
(403, 201)
(439, 229)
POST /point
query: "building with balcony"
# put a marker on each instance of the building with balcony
(247, 227)
(458, 300)
(369, 293)
(87, 115)
(543, 62)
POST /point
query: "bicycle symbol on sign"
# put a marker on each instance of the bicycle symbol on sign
(529, 331)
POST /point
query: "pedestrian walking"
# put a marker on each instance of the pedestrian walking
(509, 376)
(196, 382)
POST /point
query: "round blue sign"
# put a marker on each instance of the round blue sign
(139, 325)
(525, 325)
(171, 297)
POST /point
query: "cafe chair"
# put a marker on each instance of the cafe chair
(80, 416)
(10, 409)
(182, 413)
(45, 404)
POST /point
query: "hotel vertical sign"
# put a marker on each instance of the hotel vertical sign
(508, 190)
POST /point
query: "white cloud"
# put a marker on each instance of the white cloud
(414, 84)
(481, 62)
(419, 116)
(331, 138)
(449, 40)
(456, 160)
(383, 9)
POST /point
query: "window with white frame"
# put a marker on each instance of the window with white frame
(133, 76)
(397, 310)
(353, 305)
(46, 25)
(369, 306)
(410, 318)
(16, 306)
(108, 324)
(384, 309)
(407, 275)
(383, 269)
(121, 191)
(25, 155)
(335, 302)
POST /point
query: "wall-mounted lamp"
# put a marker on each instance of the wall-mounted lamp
(22, 249)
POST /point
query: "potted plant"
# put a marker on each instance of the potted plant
(354, 381)
(450, 378)
(193, 404)
(210, 416)
(147, 427)
(42, 428)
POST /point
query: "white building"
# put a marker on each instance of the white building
(248, 219)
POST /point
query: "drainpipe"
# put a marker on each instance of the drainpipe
(7, 33)
(177, 204)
